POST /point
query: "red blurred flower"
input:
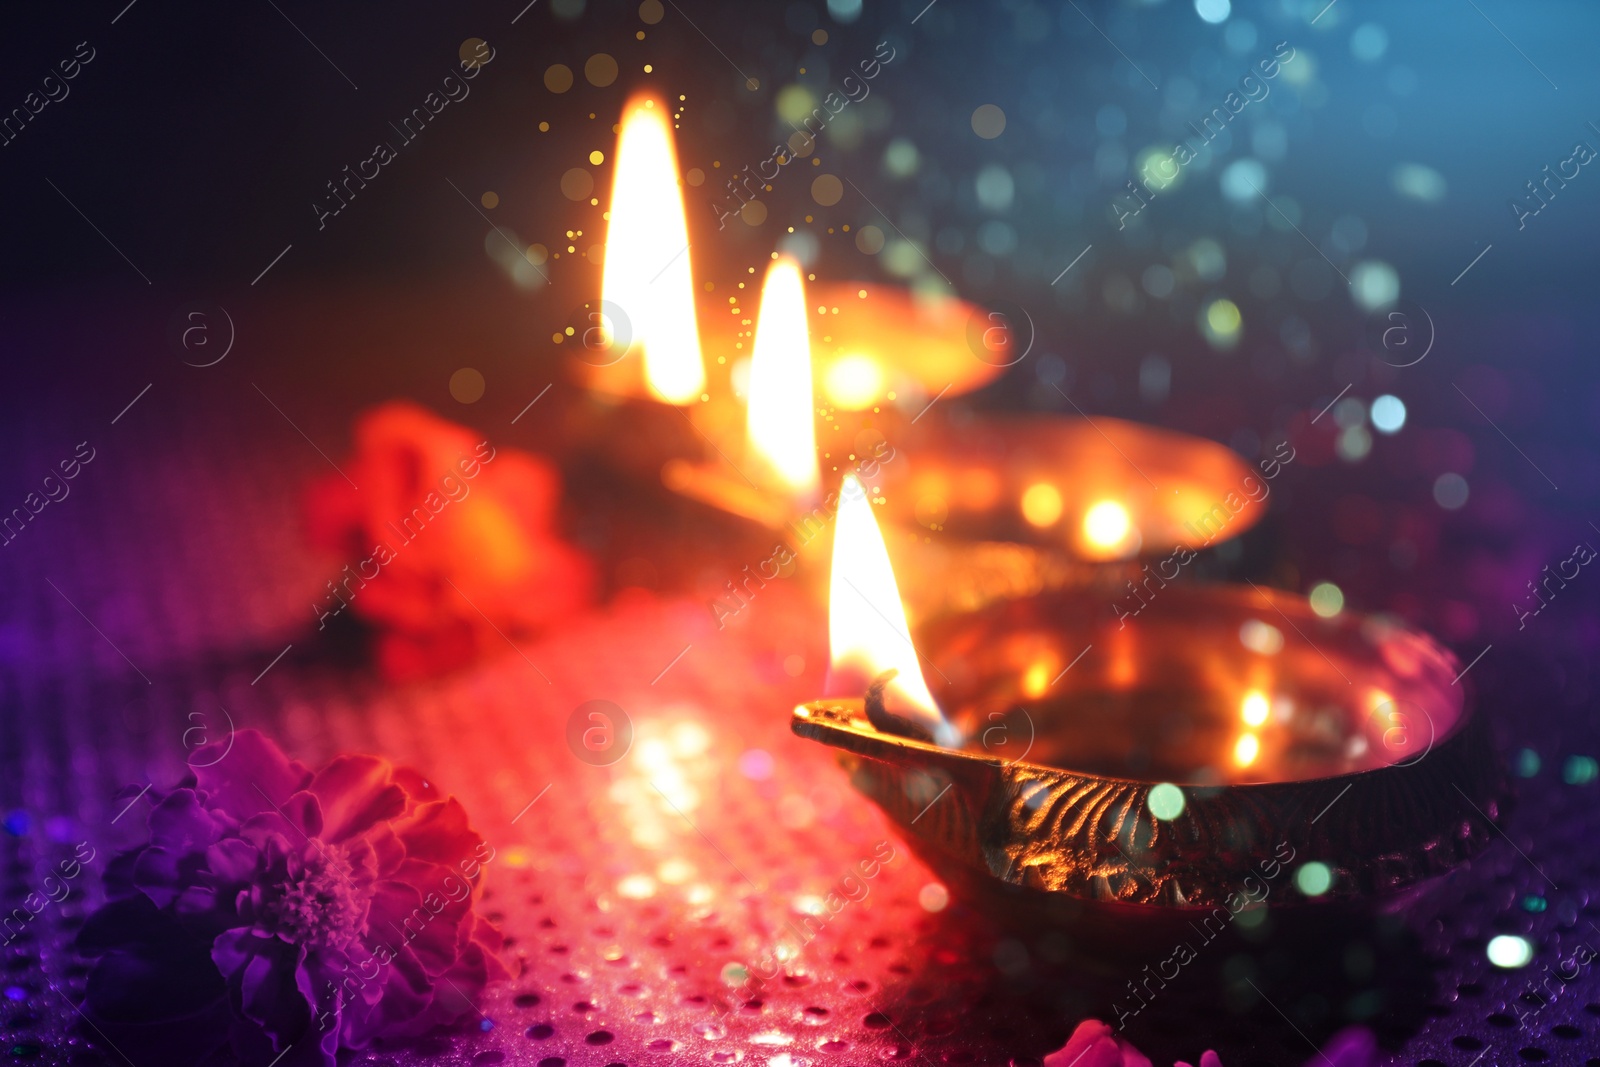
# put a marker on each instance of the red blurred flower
(447, 539)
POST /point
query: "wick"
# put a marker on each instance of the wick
(887, 722)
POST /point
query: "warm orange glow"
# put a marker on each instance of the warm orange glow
(1254, 709)
(1246, 750)
(867, 631)
(647, 273)
(1041, 504)
(781, 417)
(1106, 524)
(1036, 680)
(854, 382)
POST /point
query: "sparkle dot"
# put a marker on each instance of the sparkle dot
(1327, 599)
(988, 122)
(1041, 504)
(1534, 903)
(490, 199)
(1388, 414)
(1526, 763)
(651, 11)
(933, 897)
(558, 78)
(819, 37)
(601, 70)
(597, 157)
(577, 184)
(869, 239)
(1579, 770)
(1220, 323)
(1509, 951)
(826, 189)
(1353, 444)
(1213, 10)
(1165, 801)
(1313, 879)
(466, 385)
(473, 51)
(1450, 491)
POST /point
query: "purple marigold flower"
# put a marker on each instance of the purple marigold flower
(290, 913)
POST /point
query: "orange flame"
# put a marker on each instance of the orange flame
(647, 275)
(867, 632)
(781, 417)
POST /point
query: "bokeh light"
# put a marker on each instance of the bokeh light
(1313, 879)
(1388, 414)
(1450, 491)
(1042, 504)
(1254, 709)
(1165, 801)
(1327, 599)
(1509, 951)
(1106, 524)
(1260, 637)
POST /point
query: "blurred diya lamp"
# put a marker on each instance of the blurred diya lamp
(1101, 489)
(642, 346)
(772, 473)
(1017, 505)
(1086, 769)
(854, 347)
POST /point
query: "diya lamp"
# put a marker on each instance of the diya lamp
(1076, 768)
(1017, 505)
(857, 353)
(643, 348)
(769, 473)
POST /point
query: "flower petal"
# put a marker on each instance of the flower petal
(429, 924)
(356, 793)
(1093, 1044)
(180, 823)
(233, 860)
(254, 775)
(438, 833)
(264, 982)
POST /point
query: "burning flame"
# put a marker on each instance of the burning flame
(867, 632)
(647, 275)
(781, 416)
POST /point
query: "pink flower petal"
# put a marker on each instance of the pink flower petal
(438, 833)
(254, 775)
(356, 793)
(1093, 1044)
